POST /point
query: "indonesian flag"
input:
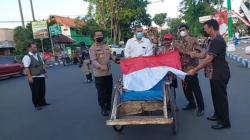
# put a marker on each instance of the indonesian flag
(143, 73)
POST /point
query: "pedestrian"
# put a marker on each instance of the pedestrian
(85, 62)
(36, 74)
(139, 45)
(218, 72)
(100, 56)
(191, 86)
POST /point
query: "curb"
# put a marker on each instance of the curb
(243, 61)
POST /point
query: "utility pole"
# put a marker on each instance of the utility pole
(21, 12)
(230, 20)
(51, 41)
(32, 10)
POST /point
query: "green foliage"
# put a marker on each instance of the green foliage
(23, 36)
(193, 9)
(118, 16)
(173, 25)
(160, 19)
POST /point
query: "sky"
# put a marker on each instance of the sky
(9, 9)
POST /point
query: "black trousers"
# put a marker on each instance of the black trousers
(220, 100)
(38, 89)
(104, 86)
(191, 88)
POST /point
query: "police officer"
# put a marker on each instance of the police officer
(100, 56)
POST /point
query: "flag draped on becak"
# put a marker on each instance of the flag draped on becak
(143, 73)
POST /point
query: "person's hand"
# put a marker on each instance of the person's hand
(191, 72)
(103, 67)
(176, 44)
(30, 79)
(192, 54)
(46, 76)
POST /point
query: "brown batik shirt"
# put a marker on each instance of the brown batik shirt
(187, 46)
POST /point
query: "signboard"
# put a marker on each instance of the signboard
(55, 30)
(40, 30)
(65, 31)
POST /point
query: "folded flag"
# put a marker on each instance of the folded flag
(143, 73)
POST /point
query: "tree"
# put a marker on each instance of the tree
(192, 10)
(119, 16)
(160, 19)
(23, 36)
(240, 27)
(173, 25)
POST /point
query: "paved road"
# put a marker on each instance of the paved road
(240, 50)
(75, 115)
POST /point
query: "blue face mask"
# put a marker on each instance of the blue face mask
(139, 35)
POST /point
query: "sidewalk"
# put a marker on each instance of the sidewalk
(239, 55)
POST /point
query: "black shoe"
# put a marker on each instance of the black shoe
(105, 112)
(200, 113)
(212, 118)
(46, 104)
(189, 107)
(220, 126)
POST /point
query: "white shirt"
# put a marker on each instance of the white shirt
(137, 48)
(27, 61)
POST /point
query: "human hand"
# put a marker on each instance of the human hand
(191, 72)
(30, 79)
(103, 67)
(46, 76)
(192, 54)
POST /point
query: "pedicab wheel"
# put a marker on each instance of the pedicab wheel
(118, 128)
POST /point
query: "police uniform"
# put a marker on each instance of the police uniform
(100, 54)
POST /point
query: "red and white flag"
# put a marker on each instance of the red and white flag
(143, 73)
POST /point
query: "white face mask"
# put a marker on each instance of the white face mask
(183, 33)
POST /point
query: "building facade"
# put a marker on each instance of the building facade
(7, 44)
